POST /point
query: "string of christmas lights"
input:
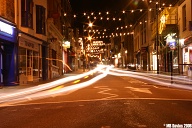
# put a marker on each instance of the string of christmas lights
(105, 15)
(111, 16)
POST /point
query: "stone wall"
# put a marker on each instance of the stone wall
(7, 10)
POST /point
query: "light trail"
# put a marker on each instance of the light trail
(158, 76)
(158, 79)
(63, 90)
(41, 87)
(41, 91)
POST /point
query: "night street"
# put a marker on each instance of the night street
(95, 63)
(112, 102)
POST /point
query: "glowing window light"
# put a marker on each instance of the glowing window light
(6, 28)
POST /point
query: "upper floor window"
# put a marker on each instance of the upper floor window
(184, 18)
(40, 19)
(27, 13)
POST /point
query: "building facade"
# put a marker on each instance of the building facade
(185, 36)
(31, 18)
(8, 44)
(156, 39)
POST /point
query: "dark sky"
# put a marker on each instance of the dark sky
(100, 5)
(115, 8)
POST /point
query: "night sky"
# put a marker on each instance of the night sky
(100, 5)
(115, 8)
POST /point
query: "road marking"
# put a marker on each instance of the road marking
(105, 90)
(144, 90)
(81, 105)
(76, 81)
(86, 77)
(56, 88)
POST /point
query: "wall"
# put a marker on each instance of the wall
(7, 10)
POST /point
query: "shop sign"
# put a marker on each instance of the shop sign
(6, 29)
(28, 44)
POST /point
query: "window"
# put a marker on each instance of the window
(40, 19)
(184, 17)
(54, 57)
(27, 13)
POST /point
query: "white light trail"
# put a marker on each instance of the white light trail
(63, 90)
(49, 85)
(159, 79)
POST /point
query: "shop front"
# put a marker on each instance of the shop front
(187, 56)
(8, 53)
(30, 59)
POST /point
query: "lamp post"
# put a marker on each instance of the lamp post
(157, 37)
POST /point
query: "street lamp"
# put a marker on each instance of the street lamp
(90, 24)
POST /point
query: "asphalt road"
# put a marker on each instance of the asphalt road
(113, 102)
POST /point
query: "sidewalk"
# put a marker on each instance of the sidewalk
(9, 89)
